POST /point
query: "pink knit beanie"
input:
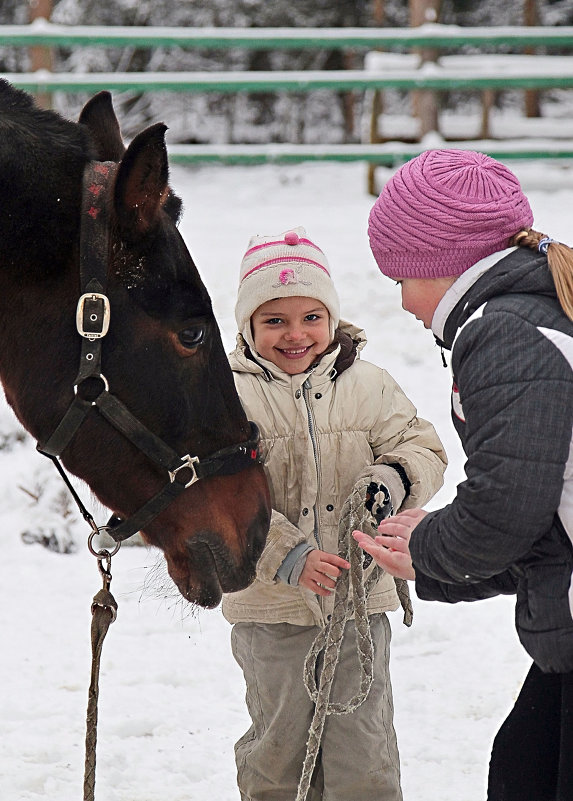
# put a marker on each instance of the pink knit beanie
(280, 266)
(443, 211)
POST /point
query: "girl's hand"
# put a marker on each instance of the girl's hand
(390, 548)
(320, 572)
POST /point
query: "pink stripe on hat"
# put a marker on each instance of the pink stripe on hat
(282, 259)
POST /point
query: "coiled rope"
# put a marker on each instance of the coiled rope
(350, 598)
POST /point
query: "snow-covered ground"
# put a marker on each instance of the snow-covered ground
(172, 698)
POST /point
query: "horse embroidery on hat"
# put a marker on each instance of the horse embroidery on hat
(289, 276)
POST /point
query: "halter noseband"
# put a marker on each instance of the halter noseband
(92, 322)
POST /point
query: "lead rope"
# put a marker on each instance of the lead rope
(104, 612)
(329, 640)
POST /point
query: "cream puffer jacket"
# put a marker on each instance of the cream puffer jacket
(320, 433)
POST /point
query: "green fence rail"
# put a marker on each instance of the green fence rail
(388, 154)
(430, 35)
(544, 76)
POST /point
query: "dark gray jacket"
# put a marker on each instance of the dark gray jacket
(510, 525)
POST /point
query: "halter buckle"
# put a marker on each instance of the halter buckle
(189, 463)
(92, 315)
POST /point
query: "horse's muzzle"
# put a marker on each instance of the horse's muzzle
(212, 568)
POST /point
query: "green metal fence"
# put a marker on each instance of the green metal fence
(545, 76)
(431, 35)
(543, 72)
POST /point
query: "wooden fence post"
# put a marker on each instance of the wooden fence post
(531, 17)
(425, 102)
(41, 58)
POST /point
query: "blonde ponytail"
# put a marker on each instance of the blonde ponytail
(559, 260)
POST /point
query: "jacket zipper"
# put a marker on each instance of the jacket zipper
(311, 430)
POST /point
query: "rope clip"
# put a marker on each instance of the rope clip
(102, 556)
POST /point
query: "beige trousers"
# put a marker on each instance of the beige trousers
(358, 759)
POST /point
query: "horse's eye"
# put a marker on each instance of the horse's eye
(192, 337)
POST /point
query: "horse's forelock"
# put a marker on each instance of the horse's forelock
(173, 206)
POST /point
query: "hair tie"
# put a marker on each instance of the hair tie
(543, 244)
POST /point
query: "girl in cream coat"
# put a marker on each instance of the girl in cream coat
(327, 419)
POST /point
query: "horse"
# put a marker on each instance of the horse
(111, 356)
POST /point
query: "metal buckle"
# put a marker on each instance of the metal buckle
(94, 317)
(189, 462)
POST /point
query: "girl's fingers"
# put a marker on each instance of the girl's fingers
(394, 526)
(392, 543)
(410, 517)
(328, 570)
(326, 581)
(394, 561)
(403, 523)
(361, 537)
(318, 589)
(368, 543)
(334, 559)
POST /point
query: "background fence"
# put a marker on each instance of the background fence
(489, 68)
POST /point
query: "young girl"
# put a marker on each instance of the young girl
(327, 419)
(454, 229)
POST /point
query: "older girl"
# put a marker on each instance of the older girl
(453, 228)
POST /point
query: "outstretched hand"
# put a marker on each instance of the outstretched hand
(321, 570)
(390, 548)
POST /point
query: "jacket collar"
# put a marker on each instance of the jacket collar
(516, 271)
(458, 289)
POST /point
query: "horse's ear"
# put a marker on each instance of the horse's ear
(141, 185)
(99, 117)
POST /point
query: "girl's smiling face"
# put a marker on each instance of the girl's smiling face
(420, 296)
(291, 332)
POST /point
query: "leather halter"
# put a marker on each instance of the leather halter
(92, 322)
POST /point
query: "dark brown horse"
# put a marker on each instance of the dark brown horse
(125, 410)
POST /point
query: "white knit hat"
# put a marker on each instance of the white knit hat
(283, 266)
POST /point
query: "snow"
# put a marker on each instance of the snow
(172, 698)
(536, 72)
(536, 134)
(367, 36)
(470, 63)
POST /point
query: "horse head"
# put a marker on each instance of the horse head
(145, 411)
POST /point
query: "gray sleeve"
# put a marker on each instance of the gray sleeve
(293, 564)
(429, 589)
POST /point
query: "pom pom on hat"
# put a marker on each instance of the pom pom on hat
(285, 265)
(444, 211)
(292, 238)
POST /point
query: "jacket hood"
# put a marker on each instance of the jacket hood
(521, 272)
(348, 341)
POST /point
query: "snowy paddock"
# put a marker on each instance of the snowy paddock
(172, 698)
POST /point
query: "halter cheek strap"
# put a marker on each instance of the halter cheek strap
(92, 323)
